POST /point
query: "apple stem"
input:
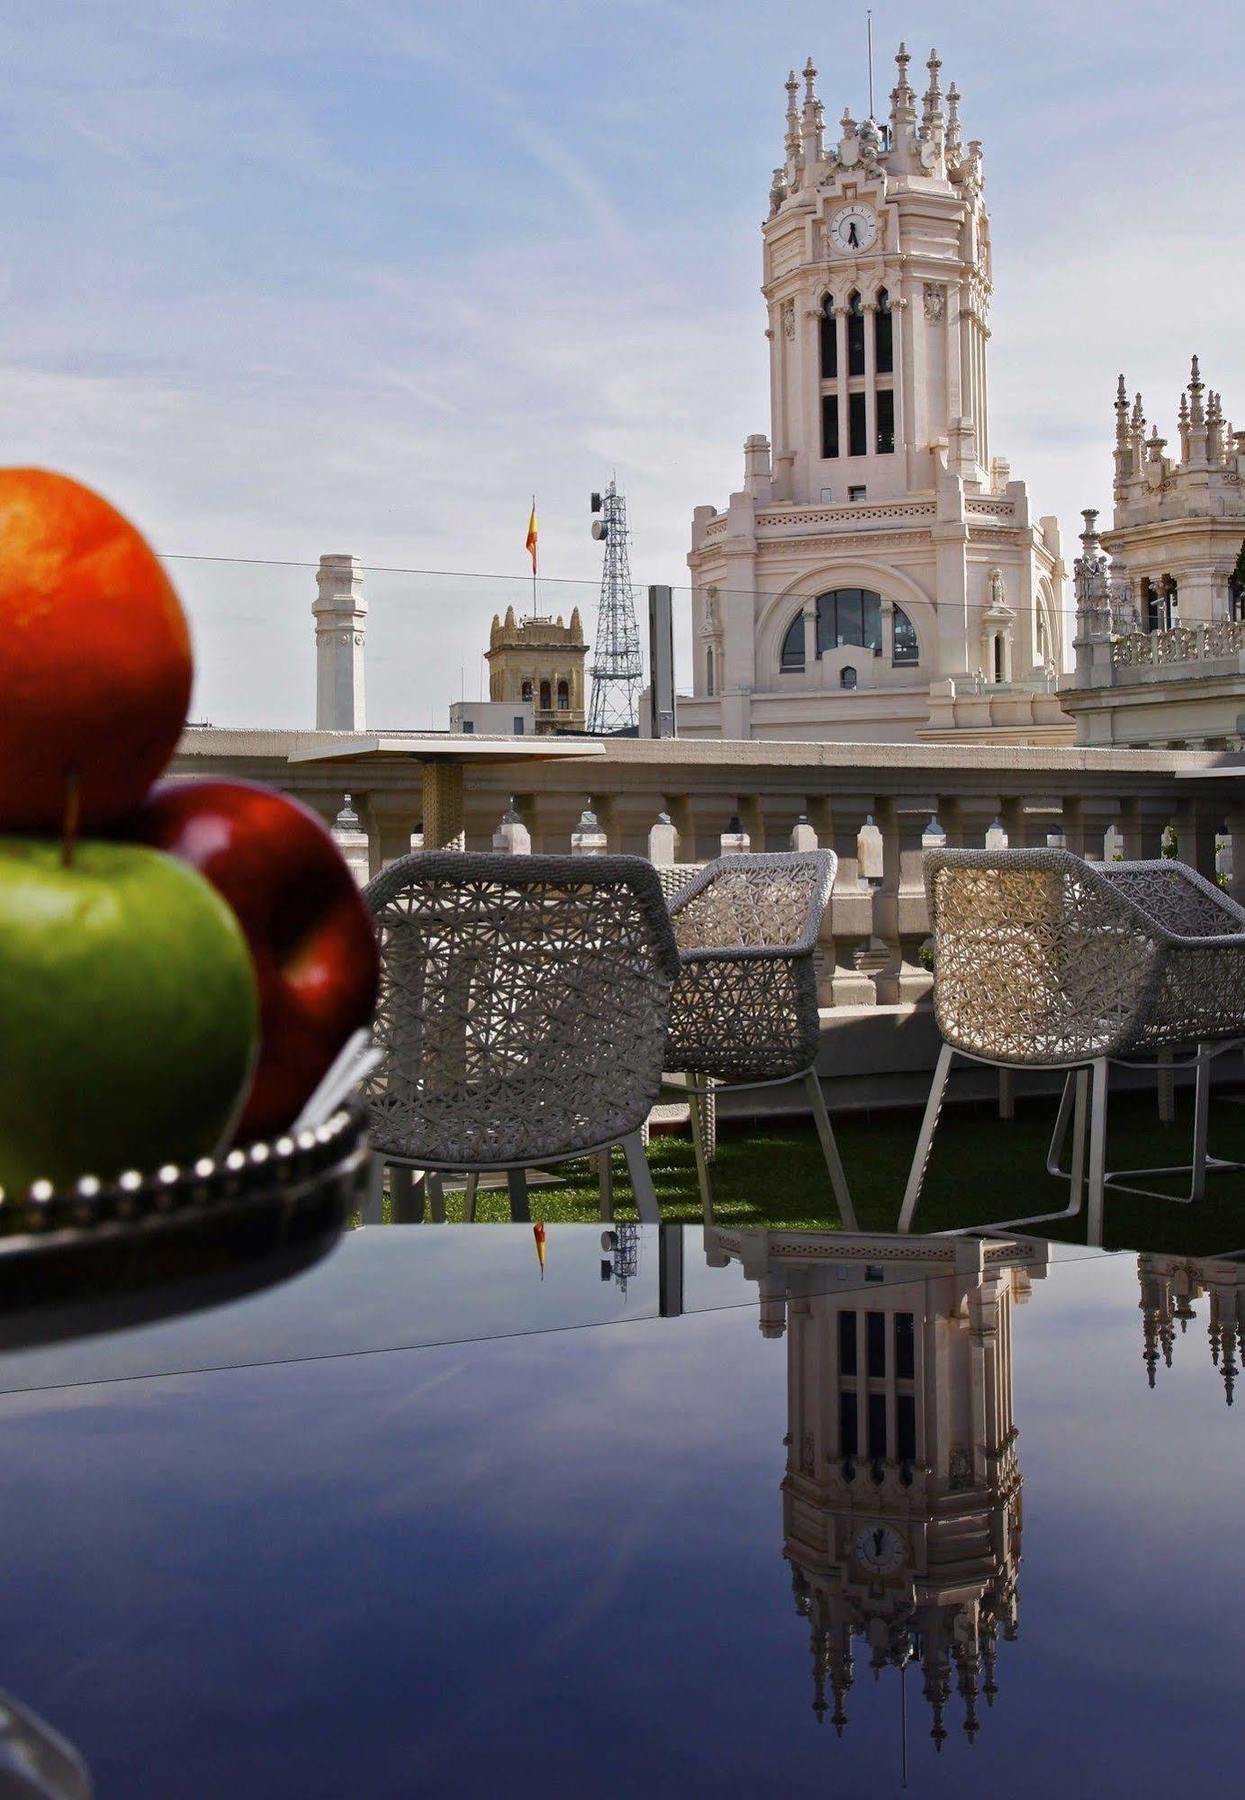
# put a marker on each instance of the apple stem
(73, 813)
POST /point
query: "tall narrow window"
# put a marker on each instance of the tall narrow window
(905, 1347)
(564, 696)
(877, 1426)
(709, 671)
(849, 1431)
(847, 1343)
(875, 1345)
(905, 1427)
(883, 334)
(829, 424)
(857, 434)
(886, 421)
(546, 697)
(525, 692)
(855, 336)
(829, 341)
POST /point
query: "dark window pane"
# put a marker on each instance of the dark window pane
(871, 620)
(884, 337)
(905, 1353)
(858, 443)
(793, 645)
(546, 697)
(847, 677)
(847, 1343)
(829, 425)
(849, 1433)
(855, 337)
(848, 627)
(875, 1345)
(829, 345)
(886, 422)
(905, 1428)
(877, 1425)
(906, 648)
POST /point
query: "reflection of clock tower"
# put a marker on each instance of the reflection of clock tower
(879, 547)
(901, 1500)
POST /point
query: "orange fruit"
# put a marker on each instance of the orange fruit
(95, 662)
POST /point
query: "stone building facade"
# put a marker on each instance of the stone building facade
(540, 661)
(1160, 633)
(880, 575)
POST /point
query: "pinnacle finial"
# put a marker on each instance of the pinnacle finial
(1195, 374)
(1121, 392)
(810, 76)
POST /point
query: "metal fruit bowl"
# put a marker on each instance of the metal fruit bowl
(103, 1255)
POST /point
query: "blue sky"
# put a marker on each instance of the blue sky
(360, 275)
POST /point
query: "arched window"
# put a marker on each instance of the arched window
(855, 335)
(905, 649)
(847, 676)
(709, 671)
(883, 334)
(525, 692)
(564, 696)
(829, 341)
(849, 616)
(546, 699)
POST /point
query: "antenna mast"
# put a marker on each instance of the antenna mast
(617, 669)
(869, 33)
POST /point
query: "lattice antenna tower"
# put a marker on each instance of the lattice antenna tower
(617, 669)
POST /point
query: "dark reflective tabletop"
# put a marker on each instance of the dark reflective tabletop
(677, 1512)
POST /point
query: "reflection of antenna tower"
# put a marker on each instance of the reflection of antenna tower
(617, 671)
(620, 1254)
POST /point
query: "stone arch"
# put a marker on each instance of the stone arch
(893, 584)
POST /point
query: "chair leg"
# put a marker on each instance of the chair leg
(698, 1144)
(1007, 1093)
(605, 1177)
(434, 1187)
(1167, 1087)
(406, 1196)
(516, 1181)
(1097, 1150)
(641, 1180)
(373, 1200)
(1201, 1123)
(830, 1150)
(929, 1124)
(469, 1199)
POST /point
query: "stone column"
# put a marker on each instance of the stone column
(443, 806)
(340, 613)
(351, 840)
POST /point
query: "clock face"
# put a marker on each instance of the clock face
(879, 1549)
(853, 228)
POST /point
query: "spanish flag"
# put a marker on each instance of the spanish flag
(530, 545)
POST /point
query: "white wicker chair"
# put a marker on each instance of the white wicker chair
(522, 1013)
(744, 1009)
(1042, 960)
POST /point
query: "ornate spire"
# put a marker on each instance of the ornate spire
(792, 142)
(1214, 427)
(1121, 413)
(1182, 425)
(810, 135)
(933, 93)
(954, 146)
(1197, 386)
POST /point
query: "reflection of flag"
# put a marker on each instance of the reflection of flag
(538, 1232)
(530, 545)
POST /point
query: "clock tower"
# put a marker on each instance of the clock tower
(880, 567)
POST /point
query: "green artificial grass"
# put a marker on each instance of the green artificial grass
(983, 1169)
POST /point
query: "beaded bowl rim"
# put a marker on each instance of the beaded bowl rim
(134, 1198)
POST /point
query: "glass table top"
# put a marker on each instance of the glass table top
(642, 1510)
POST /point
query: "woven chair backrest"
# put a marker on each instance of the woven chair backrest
(1037, 958)
(523, 1006)
(1177, 898)
(756, 902)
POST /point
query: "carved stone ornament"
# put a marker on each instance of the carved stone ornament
(935, 302)
(788, 318)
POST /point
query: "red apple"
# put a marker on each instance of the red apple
(310, 934)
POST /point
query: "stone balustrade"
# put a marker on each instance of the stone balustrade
(1182, 644)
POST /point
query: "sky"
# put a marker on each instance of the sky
(361, 275)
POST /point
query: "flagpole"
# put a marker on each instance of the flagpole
(535, 553)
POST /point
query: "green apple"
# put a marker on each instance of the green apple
(128, 1014)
